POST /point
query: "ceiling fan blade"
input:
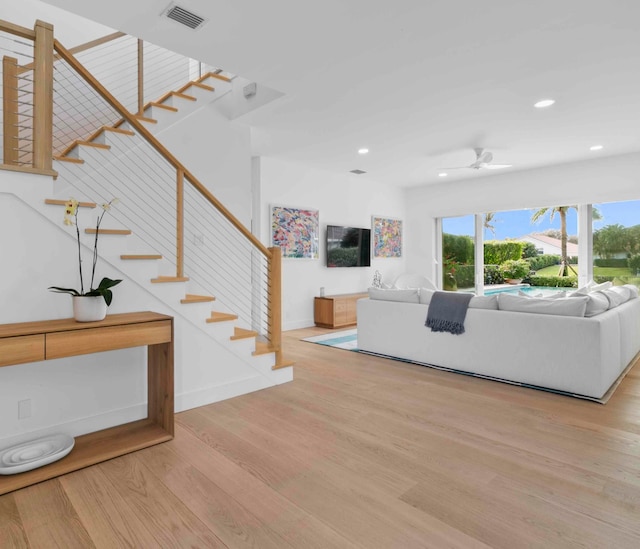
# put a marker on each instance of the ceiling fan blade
(457, 168)
(497, 166)
(485, 157)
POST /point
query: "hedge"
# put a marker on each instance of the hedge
(465, 276)
(554, 281)
(634, 264)
(617, 263)
(458, 248)
(497, 252)
(542, 261)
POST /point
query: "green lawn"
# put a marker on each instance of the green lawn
(597, 271)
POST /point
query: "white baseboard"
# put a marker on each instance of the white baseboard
(216, 393)
(297, 325)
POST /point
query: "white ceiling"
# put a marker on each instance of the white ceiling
(420, 83)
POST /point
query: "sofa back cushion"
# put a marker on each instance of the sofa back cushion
(477, 301)
(575, 306)
(404, 296)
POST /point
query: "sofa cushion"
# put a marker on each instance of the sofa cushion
(635, 292)
(617, 296)
(484, 302)
(477, 301)
(405, 296)
(561, 307)
(592, 287)
(597, 303)
(425, 295)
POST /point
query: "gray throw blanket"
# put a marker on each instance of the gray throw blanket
(447, 311)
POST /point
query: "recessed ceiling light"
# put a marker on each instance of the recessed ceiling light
(363, 150)
(443, 174)
(543, 103)
(596, 147)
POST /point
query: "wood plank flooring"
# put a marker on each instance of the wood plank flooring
(360, 452)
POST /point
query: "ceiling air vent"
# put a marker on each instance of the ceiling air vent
(184, 17)
(357, 172)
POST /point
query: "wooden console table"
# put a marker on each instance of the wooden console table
(336, 311)
(46, 340)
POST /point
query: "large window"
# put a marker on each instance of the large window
(616, 242)
(458, 265)
(540, 247)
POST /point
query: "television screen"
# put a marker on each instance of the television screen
(348, 247)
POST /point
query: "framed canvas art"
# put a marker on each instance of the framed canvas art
(295, 231)
(387, 237)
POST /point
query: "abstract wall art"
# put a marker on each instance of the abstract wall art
(295, 231)
(387, 237)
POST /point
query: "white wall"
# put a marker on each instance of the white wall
(341, 200)
(218, 152)
(606, 179)
(69, 28)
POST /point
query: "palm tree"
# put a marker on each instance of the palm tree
(538, 215)
(489, 222)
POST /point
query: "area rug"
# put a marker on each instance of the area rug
(348, 340)
(345, 339)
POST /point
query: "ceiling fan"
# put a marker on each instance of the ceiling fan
(483, 162)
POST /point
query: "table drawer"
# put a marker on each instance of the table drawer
(21, 349)
(95, 340)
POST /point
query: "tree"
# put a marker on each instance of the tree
(489, 222)
(538, 215)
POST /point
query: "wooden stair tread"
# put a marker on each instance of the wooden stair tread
(108, 231)
(117, 130)
(283, 364)
(56, 202)
(241, 333)
(221, 317)
(69, 159)
(163, 279)
(162, 106)
(140, 256)
(184, 96)
(214, 75)
(93, 144)
(145, 119)
(201, 86)
(262, 348)
(192, 298)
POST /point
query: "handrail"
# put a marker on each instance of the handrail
(151, 139)
(12, 28)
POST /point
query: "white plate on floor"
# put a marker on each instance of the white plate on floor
(34, 453)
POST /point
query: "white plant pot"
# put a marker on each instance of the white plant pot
(89, 308)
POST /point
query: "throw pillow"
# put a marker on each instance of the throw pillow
(597, 303)
(404, 296)
(593, 287)
(615, 298)
(562, 307)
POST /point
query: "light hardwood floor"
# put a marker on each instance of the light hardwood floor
(363, 452)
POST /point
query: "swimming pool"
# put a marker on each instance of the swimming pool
(537, 291)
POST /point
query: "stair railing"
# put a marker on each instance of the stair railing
(27, 89)
(38, 156)
(271, 256)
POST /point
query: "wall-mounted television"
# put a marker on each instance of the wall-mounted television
(348, 246)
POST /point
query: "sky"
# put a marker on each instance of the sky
(517, 223)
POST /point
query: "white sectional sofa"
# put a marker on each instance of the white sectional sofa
(574, 354)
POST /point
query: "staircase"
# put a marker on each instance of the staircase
(118, 148)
